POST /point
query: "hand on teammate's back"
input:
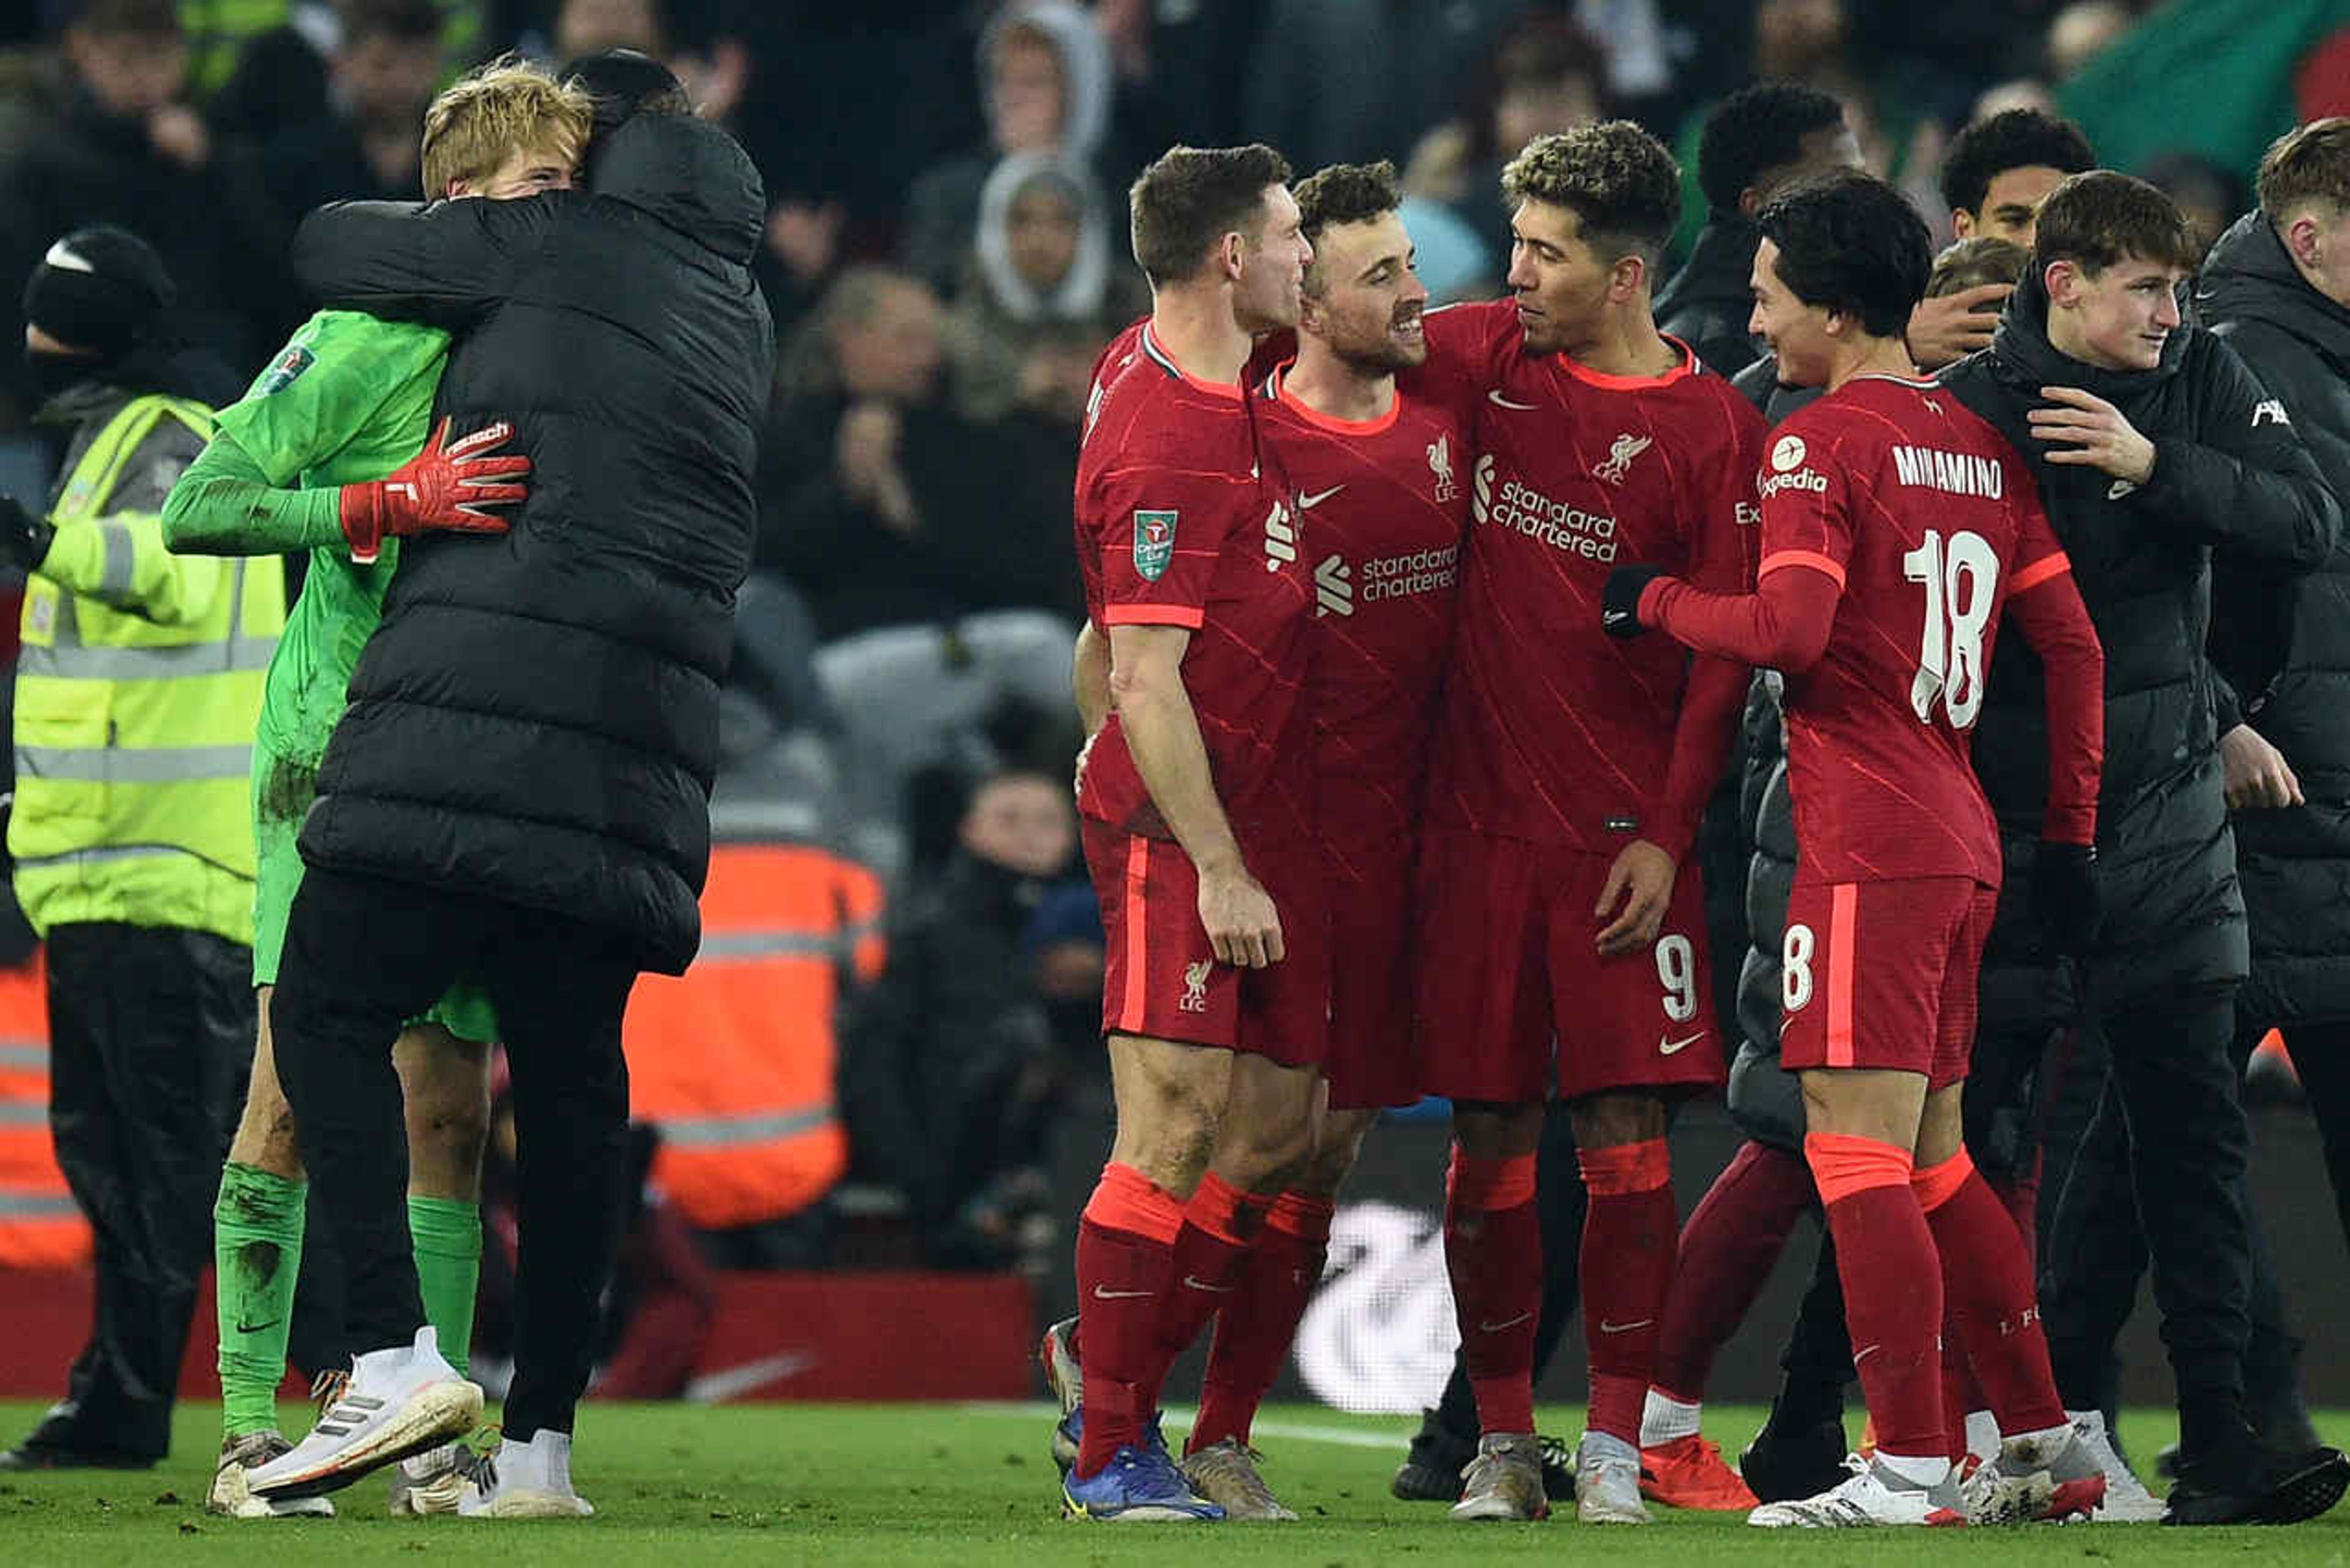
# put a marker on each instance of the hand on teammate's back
(1945, 329)
(1244, 927)
(441, 488)
(2068, 895)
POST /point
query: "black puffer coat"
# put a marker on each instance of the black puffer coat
(537, 721)
(1709, 302)
(2284, 641)
(2225, 474)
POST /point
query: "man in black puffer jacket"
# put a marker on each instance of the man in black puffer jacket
(2151, 444)
(519, 793)
(2277, 287)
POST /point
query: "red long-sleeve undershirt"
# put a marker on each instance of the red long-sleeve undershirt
(1710, 703)
(1785, 626)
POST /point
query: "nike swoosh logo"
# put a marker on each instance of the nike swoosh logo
(1669, 1047)
(244, 1327)
(1606, 1327)
(1500, 401)
(2119, 488)
(1505, 1323)
(1192, 1283)
(1104, 1293)
(1306, 501)
(733, 1382)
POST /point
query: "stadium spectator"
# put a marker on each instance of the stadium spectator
(881, 504)
(1347, 81)
(380, 75)
(1048, 290)
(110, 137)
(1543, 75)
(950, 1077)
(1046, 87)
(2212, 196)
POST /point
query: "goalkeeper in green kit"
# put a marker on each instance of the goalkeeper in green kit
(328, 453)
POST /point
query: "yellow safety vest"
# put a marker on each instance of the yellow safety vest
(138, 682)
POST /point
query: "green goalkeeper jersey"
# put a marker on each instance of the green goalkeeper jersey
(349, 400)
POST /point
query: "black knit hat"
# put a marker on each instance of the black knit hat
(622, 81)
(101, 290)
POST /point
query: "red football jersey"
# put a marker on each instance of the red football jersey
(1379, 506)
(1177, 525)
(1929, 521)
(1552, 731)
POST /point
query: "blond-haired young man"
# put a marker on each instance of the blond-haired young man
(327, 452)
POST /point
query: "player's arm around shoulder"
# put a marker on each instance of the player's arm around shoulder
(446, 263)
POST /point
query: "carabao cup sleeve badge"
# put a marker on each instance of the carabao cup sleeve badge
(1154, 544)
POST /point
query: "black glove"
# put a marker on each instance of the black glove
(1619, 604)
(2067, 896)
(24, 538)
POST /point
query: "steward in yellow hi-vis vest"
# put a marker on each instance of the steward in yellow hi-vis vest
(137, 685)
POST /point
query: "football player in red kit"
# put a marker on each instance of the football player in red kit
(1567, 774)
(1376, 508)
(1369, 500)
(1196, 799)
(1896, 528)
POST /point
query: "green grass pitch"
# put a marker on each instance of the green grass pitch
(973, 1486)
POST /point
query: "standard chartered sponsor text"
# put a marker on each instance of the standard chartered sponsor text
(1421, 572)
(1564, 528)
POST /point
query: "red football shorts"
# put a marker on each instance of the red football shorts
(1883, 974)
(1162, 978)
(1508, 961)
(1370, 1062)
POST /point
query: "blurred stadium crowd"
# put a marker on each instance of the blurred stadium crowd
(945, 253)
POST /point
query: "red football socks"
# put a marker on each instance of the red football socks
(1627, 1269)
(1254, 1329)
(1728, 1249)
(1892, 1287)
(1493, 1249)
(1986, 1279)
(1210, 1250)
(1124, 1254)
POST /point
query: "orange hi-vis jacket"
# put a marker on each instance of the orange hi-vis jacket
(40, 1225)
(734, 1061)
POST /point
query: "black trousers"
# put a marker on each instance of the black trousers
(150, 1042)
(361, 955)
(2167, 1142)
(2321, 1058)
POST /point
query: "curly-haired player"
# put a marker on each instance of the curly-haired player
(1566, 777)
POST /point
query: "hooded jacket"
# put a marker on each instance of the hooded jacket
(537, 719)
(942, 207)
(2226, 473)
(2283, 640)
(1709, 302)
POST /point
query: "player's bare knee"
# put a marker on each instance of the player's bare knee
(1942, 1130)
(1493, 1130)
(1611, 1121)
(445, 1084)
